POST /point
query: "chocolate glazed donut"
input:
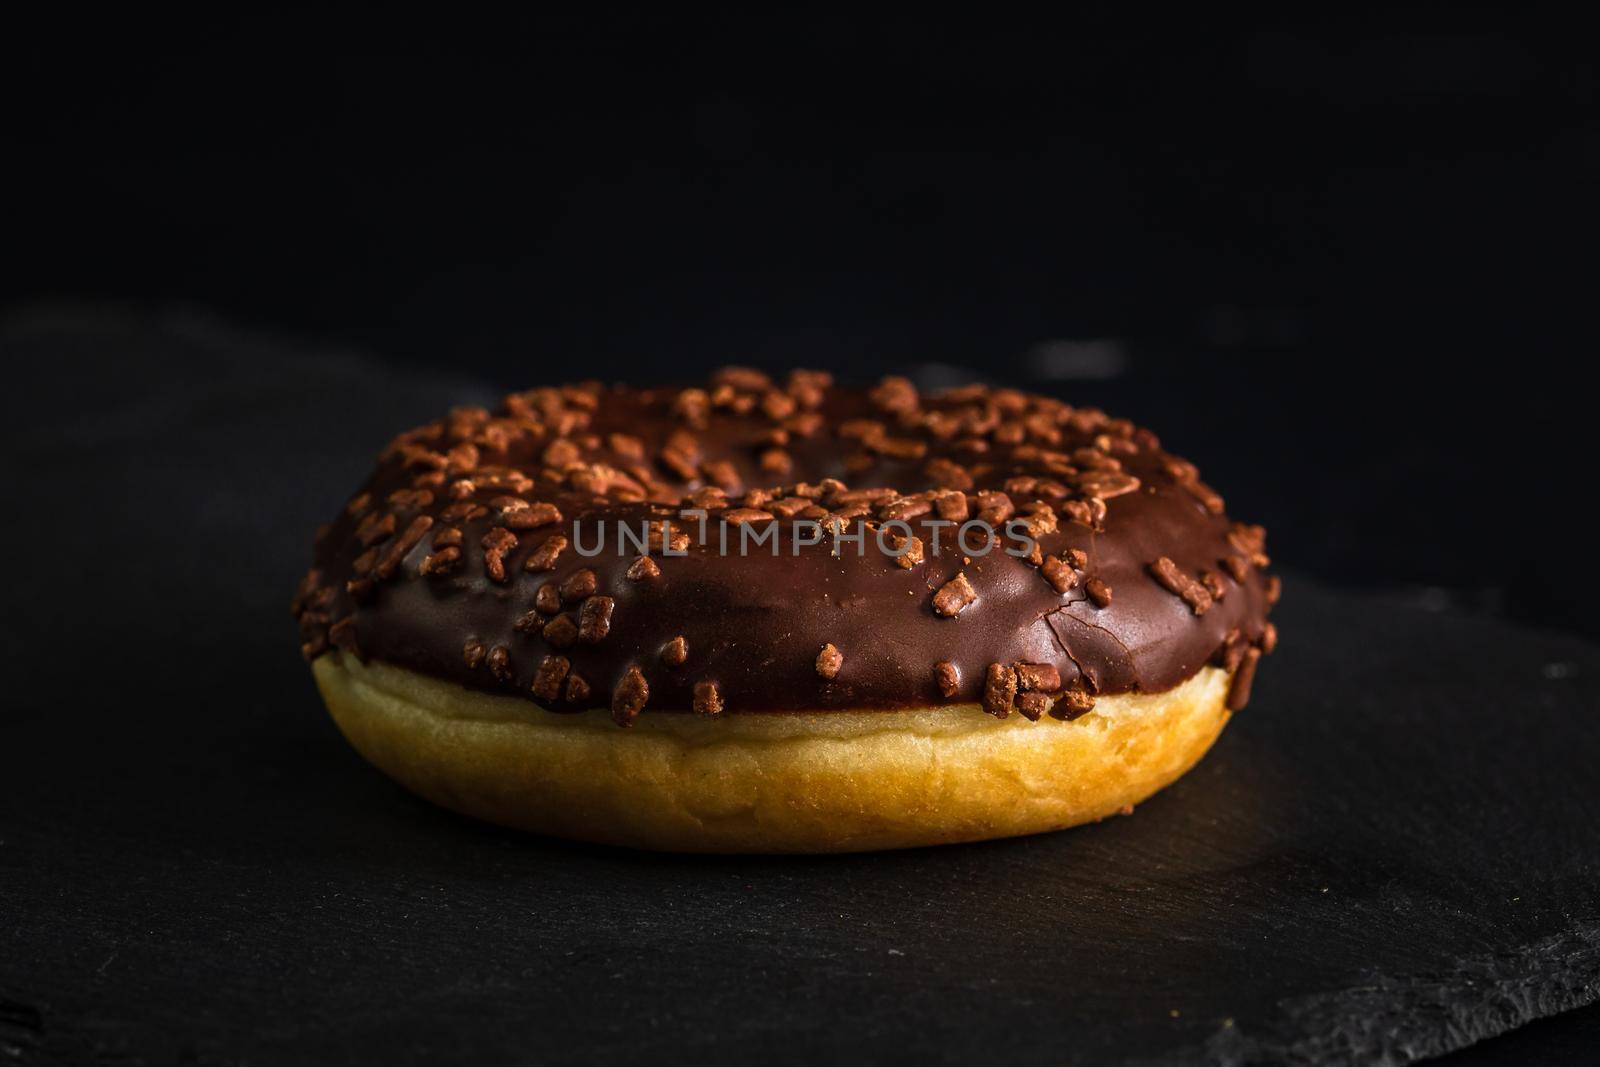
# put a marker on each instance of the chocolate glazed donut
(769, 583)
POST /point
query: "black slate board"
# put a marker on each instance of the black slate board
(1391, 854)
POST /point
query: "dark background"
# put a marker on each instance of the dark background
(1345, 266)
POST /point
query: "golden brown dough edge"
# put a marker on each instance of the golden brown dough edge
(795, 782)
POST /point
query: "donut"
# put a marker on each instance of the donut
(782, 615)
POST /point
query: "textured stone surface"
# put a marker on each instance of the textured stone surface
(1390, 854)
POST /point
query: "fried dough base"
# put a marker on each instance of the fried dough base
(834, 781)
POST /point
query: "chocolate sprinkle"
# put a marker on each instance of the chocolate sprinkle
(999, 690)
(499, 661)
(1074, 703)
(389, 562)
(1038, 676)
(1033, 705)
(547, 682)
(629, 698)
(675, 653)
(594, 619)
(544, 557)
(548, 599)
(829, 660)
(953, 597)
(707, 698)
(561, 631)
(579, 584)
(1243, 678)
(1059, 574)
(1174, 580)
(496, 543)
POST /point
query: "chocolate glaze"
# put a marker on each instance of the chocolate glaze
(754, 624)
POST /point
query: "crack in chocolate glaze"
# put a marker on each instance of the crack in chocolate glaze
(1061, 642)
(1088, 676)
(467, 555)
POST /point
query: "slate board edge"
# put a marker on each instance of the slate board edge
(1402, 1019)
